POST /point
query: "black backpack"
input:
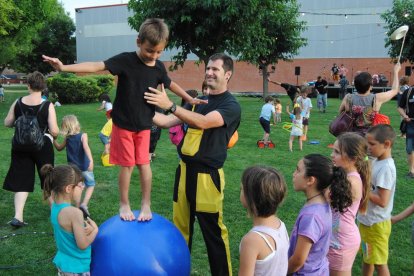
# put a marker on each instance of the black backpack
(28, 137)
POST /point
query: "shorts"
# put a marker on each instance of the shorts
(374, 242)
(61, 273)
(21, 174)
(409, 141)
(342, 259)
(129, 148)
(104, 138)
(108, 114)
(335, 77)
(265, 124)
(88, 178)
(305, 121)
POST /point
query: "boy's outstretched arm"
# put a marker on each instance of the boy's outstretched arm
(84, 67)
(407, 212)
(177, 90)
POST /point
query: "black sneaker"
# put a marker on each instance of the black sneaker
(17, 223)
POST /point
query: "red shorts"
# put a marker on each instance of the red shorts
(129, 148)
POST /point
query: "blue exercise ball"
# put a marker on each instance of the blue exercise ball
(155, 247)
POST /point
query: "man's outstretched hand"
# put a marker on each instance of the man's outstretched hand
(54, 62)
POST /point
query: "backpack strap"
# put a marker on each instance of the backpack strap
(406, 102)
(20, 106)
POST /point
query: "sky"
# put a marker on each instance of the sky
(71, 5)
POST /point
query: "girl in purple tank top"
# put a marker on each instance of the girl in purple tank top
(315, 175)
(350, 153)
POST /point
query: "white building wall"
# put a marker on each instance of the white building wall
(102, 32)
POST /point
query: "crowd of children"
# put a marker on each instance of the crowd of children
(349, 200)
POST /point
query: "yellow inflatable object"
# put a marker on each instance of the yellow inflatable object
(105, 160)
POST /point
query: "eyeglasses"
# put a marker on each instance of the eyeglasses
(80, 185)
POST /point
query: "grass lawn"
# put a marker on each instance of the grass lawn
(29, 247)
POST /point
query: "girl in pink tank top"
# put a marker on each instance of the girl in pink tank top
(350, 153)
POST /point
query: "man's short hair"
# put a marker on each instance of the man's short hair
(362, 82)
(382, 132)
(227, 61)
(153, 30)
(36, 81)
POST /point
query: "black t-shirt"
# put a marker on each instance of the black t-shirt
(212, 151)
(291, 90)
(335, 70)
(403, 102)
(130, 110)
(320, 86)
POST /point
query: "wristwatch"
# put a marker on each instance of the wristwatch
(172, 109)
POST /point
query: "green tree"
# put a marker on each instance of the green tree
(401, 13)
(280, 37)
(55, 38)
(257, 31)
(27, 17)
(10, 17)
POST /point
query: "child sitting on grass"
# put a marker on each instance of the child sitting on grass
(79, 154)
(73, 233)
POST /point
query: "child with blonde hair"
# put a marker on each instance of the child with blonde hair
(316, 175)
(73, 232)
(79, 154)
(297, 126)
(350, 153)
(263, 250)
(278, 109)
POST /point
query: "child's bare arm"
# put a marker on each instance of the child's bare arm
(78, 226)
(87, 150)
(84, 67)
(176, 89)
(101, 107)
(302, 249)
(382, 198)
(58, 146)
(248, 254)
(404, 214)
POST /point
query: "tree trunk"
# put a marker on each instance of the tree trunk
(265, 82)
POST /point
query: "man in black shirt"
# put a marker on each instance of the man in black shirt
(199, 180)
(320, 87)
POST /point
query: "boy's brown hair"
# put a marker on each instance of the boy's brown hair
(154, 30)
(382, 132)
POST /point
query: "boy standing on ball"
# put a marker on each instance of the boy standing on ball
(131, 115)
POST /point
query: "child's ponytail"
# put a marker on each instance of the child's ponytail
(47, 172)
(340, 190)
(57, 178)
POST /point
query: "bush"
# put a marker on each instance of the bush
(70, 88)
